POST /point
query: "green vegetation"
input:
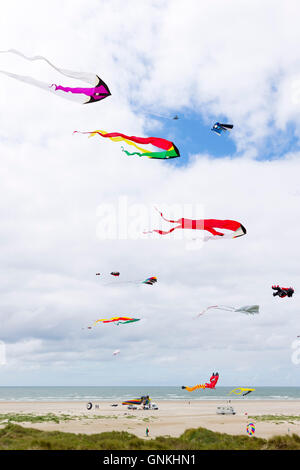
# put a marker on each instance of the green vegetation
(49, 417)
(14, 437)
(32, 418)
(276, 418)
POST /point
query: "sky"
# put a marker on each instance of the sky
(71, 206)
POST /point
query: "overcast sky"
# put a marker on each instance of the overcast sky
(72, 206)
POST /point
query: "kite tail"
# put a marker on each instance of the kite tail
(132, 153)
(162, 232)
(191, 389)
(167, 220)
(88, 77)
(205, 310)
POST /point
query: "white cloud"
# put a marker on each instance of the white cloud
(213, 58)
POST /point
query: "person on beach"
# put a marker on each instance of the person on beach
(147, 432)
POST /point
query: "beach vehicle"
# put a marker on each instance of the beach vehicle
(131, 407)
(150, 406)
(225, 410)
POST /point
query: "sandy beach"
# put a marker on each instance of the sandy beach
(172, 418)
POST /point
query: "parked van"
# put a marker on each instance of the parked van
(225, 410)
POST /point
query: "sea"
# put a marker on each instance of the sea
(115, 394)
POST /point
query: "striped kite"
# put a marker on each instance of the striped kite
(96, 92)
(237, 229)
(167, 148)
(211, 384)
(150, 280)
(117, 320)
(144, 400)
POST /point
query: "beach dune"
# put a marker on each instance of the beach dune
(172, 418)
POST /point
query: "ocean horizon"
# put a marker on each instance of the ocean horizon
(119, 393)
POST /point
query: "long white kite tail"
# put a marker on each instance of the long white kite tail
(205, 310)
(87, 77)
(217, 307)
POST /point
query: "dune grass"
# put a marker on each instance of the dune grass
(15, 437)
(276, 418)
(49, 417)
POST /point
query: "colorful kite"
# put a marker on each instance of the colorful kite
(220, 128)
(97, 92)
(132, 402)
(251, 429)
(211, 384)
(144, 400)
(117, 320)
(169, 150)
(205, 224)
(248, 309)
(150, 280)
(242, 391)
(283, 291)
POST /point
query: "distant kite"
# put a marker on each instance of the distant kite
(283, 291)
(205, 224)
(247, 309)
(211, 384)
(97, 92)
(219, 128)
(168, 148)
(150, 280)
(242, 391)
(116, 352)
(117, 320)
(113, 273)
